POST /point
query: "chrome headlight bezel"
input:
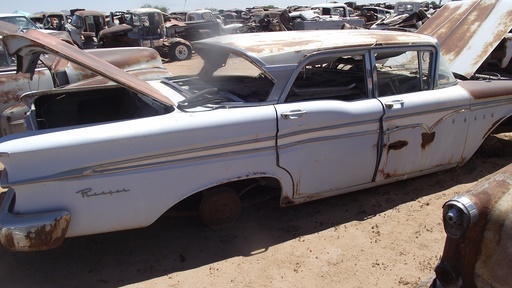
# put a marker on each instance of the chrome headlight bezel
(458, 214)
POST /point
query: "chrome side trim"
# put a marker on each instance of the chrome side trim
(159, 160)
(326, 138)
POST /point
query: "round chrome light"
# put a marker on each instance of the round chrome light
(458, 214)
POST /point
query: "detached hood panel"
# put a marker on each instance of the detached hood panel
(468, 31)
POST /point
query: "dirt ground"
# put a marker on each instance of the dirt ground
(389, 236)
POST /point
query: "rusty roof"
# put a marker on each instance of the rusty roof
(288, 47)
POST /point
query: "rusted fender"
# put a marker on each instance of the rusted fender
(479, 254)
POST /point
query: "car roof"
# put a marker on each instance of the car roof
(329, 5)
(89, 13)
(288, 47)
(144, 10)
(12, 15)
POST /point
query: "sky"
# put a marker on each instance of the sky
(32, 6)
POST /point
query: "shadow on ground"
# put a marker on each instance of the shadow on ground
(177, 244)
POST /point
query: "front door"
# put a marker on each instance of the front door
(328, 127)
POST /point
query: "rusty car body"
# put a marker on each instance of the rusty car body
(300, 112)
(56, 72)
(145, 27)
(56, 21)
(477, 250)
(84, 27)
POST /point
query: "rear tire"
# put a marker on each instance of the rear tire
(220, 207)
(180, 52)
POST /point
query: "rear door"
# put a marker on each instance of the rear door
(424, 130)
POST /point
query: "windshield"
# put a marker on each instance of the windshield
(21, 21)
(224, 80)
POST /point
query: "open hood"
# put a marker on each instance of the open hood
(29, 46)
(8, 28)
(468, 31)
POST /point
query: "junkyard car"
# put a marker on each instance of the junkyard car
(22, 21)
(54, 72)
(299, 111)
(84, 27)
(146, 27)
(477, 250)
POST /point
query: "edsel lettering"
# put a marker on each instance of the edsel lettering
(88, 192)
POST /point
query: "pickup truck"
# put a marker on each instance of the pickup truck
(146, 27)
(325, 16)
(202, 24)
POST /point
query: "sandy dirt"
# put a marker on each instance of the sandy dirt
(389, 236)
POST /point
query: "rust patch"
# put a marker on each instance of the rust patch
(48, 236)
(12, 86)
(387, 175)
(287, 201)
(397, 145)
(426, 139)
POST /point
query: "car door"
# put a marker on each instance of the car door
(328, 126)
(424, 130)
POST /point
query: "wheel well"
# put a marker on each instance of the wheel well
(251, 191)
(497, 143)
(504, 127)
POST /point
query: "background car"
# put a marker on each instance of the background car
(22, 21)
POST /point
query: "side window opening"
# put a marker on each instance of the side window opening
(5, 59)
(401, 72)
(330, 78)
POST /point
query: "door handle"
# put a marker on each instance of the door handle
(293, 114)
(391, 104)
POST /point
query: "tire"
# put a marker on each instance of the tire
(220, 207)
(180, 52)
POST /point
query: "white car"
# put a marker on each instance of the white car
(300, 112)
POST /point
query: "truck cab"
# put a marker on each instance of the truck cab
(409, 7)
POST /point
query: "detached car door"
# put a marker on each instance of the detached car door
(328, 126)
(424, 128)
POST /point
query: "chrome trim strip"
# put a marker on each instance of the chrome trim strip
(151, 162)
(328, 128)
(326, 138)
